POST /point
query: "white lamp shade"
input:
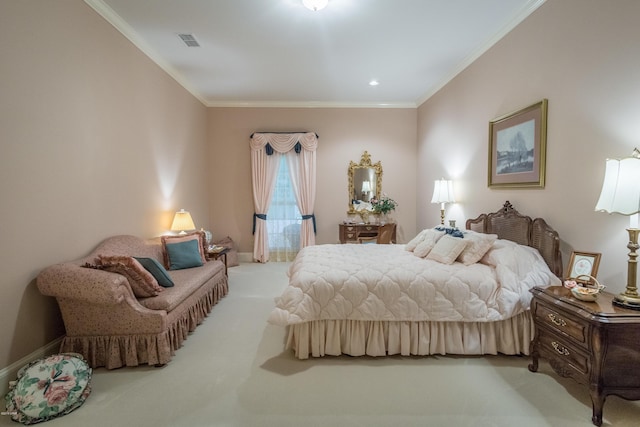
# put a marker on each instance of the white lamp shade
(366, 186)
(315, 5)
(443, 191)
(182, 221)
(621, 187)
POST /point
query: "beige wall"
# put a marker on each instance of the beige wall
(96, 141)
(584, 57)
(389, 135)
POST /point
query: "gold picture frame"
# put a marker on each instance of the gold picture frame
(583, 264)
(517, 148)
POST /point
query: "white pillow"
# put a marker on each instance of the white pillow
(429, 240)
(477, 245)
(416, 240)
(447, 249)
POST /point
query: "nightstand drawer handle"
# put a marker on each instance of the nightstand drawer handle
(560, 349)
(557, 321)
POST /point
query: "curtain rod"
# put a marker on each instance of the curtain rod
(304, 131)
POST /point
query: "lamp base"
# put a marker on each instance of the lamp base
(630, 298)
(626, 301)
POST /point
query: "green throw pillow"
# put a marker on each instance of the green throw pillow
(157, 270)
(184, 255)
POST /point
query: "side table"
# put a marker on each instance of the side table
(215, 254)
(595, 343)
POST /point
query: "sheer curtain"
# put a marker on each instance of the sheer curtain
(301, 160)
(283, 217)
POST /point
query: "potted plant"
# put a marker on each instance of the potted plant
(383, 206)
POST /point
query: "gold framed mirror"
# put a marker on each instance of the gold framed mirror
(365, 182)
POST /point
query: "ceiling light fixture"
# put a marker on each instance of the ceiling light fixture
(374, 83)
(315, 5)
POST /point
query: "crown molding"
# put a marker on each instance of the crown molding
(305, 104)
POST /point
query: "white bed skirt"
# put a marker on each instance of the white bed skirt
(385, 338)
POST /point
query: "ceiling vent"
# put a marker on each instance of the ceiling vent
(189, 40)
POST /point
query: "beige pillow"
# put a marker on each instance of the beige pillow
(413, 243)
(477, 245)
(429, 240)
(142, 283)
(447, 249)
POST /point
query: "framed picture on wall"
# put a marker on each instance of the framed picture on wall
(517, 148)
(583, 264)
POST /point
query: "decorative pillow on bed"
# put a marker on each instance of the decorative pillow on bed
(413, 243)
(447, 249)
(431, 237)
(142, 283)
(199, 236)
(477, 245)
(454, 231)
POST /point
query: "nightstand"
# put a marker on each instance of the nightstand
(595, 343)
(215, 254)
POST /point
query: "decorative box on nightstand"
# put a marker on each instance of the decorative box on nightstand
(595, 343)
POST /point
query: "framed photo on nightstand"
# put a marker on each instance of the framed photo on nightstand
(583, 264)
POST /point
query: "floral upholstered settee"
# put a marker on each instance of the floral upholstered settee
(115, 314)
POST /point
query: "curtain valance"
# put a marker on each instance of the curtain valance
(284, 142)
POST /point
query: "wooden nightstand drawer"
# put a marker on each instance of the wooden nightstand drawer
(561, 323)
(573, 361)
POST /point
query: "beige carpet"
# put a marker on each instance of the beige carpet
(232, 371)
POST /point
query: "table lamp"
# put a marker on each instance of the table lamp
(442, 193)
(621, 194)
(182, 222)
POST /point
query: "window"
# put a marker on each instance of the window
(283, 218)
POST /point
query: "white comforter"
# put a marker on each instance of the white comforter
(386, 282)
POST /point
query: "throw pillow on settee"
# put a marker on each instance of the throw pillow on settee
(232, 255)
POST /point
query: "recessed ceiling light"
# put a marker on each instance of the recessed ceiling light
(374, 83)
(315, 5)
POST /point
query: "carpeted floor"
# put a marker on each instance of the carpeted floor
(233, 371)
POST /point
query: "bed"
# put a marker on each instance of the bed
(380, 300)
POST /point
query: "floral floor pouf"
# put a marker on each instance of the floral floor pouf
(48, 388)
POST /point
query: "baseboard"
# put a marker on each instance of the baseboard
(245, 257)
(9, 373)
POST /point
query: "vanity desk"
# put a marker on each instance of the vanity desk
(365, 185)
(355, 233)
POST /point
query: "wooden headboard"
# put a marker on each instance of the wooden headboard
(509, 224)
